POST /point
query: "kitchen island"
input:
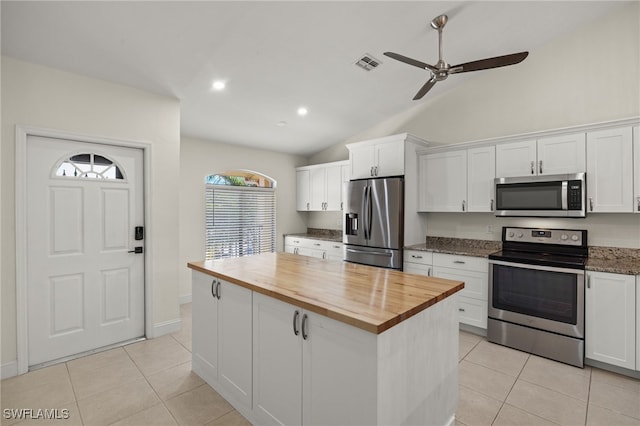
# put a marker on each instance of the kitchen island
(291, 339)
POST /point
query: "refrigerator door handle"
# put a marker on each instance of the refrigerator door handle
(370, 213)
(364, 212)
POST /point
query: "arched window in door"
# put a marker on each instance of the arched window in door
(89, 165)
(240, 214)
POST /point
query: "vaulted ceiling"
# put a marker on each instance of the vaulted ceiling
(278, 56)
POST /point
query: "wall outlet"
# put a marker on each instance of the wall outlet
(489, 229)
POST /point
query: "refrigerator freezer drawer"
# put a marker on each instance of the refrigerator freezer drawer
(385, 258)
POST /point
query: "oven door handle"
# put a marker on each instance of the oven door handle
(537, 267)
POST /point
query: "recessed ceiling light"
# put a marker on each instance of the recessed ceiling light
(302, 111)
(218, 85)
(281, 123)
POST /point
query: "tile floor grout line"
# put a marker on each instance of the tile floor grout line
(73, 389)
(511, 389)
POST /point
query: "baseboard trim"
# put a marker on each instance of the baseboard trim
(166, 327)
(185, 298)
(10, 369)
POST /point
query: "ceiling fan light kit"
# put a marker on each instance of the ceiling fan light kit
(441, 70)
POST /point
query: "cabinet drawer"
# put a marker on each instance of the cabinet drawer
(418, 256)
(472, 312)
(467, 263)
(475, 283)
(416, 268)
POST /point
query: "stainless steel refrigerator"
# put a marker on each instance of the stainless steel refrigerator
(373, 230)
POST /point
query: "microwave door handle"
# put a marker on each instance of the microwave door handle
(565, 186)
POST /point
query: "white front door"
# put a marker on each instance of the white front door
(85, 288)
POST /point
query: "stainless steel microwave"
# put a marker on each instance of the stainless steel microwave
(542, 196)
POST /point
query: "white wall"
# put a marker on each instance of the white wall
(44, 97)
(200, 158)
(590, 75)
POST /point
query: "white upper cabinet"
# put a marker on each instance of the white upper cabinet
(457, 181)
(319, 187)
(481, 172)
(636, 171)
(443, 182)
(545, 156)
(610, 171)
(516, 159)
(377, 159)
(303, 192)
(561, 154)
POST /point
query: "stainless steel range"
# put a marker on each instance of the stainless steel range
(536, 292)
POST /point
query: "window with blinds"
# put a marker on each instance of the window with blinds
(240, 221)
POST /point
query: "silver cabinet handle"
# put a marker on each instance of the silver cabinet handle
(317, 244)
(459, 262)
(341, 205)
(463, 205)
(429, 272)
(218, 290)
(371, 171)
(304, 327)
(296, 314)
(307, 206)
(324, 254)
(591, 203)
(376, 169)
(588, 281)
(639, 204)
(337, 247)
(213, 288)
(532, 169)
(416, 257)
(491, 205)
(461, 309)
(540, 167)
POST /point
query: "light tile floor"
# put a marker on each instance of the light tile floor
(151, 383)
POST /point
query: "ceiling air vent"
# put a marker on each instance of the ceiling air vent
(368, 62)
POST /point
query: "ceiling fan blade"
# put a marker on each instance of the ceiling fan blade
(483, 64)
(424, 89)
(411, 61)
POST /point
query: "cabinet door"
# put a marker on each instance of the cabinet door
(333, 180)
(277, 362)
(475, 283)
(443, 182)
(346, 177)
(339, 365)
(235, 341)
(389, 159)
(317, 189)
(302, 190)
(416, 268)
(516, 159)
(636, 172)
(610, 171)
(562, 154)
(362, 159)
(205, 326)
(481, 172)
(610, 319)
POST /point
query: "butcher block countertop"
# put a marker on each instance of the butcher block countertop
(373, 299)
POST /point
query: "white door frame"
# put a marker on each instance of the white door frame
(22, 133)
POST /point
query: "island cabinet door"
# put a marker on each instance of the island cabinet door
(277, 362)
(205, 326)
(235, 341)
(339, 373)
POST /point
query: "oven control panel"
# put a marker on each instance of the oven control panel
(569, 237)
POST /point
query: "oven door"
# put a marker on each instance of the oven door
(542, 297)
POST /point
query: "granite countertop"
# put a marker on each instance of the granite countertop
(333, 235)
(601, 259)
(461, 246)
(339, 290)
(614, 259)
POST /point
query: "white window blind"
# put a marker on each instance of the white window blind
(240, 221)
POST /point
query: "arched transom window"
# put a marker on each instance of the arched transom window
(240, 214)
(89, 165)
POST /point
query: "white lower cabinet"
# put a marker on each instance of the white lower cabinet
(222, 337)
(322, 249)
(610, 318)
(418, 262)
(306, 367)
(472, 302)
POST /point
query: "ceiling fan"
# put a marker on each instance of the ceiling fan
(441, 70)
